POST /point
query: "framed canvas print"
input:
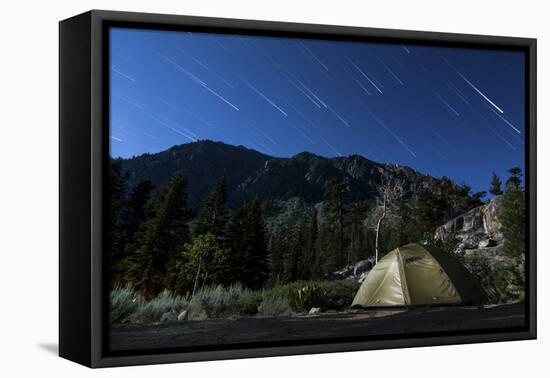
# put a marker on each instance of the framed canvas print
(234, 188)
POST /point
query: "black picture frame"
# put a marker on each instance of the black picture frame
(83, 122)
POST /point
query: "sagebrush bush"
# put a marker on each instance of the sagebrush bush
(152, 310)
(124, 303)
(328, 295)
(339, 294)
(274, 306)
(249, 302)
(213, 302)
(218, 301)
(502, 285)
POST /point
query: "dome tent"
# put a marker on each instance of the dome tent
(414, 275)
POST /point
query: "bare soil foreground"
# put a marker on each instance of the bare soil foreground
(325, 325)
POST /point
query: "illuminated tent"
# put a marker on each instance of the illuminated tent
(418, 275)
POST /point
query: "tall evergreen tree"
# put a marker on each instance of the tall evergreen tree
(310, 261)
(512, 215)
(258, 256)
(406, 230)
(213, 216)
(117, 209)
(335, 198)
(356, 225)
(496, 185)
(161, 239)
(288, 245)
(515, 178)
(294, 255)
(133, 215)
(435, 206)
(248, 262)
(279, 246)
(138, 200)
(118, 182)
(429, 213)
(238, 245)
(326, 243)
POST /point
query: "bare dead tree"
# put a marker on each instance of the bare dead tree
(391, 192)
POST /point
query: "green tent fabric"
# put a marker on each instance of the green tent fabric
(415, 274)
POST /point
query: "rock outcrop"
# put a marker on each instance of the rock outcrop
(169, 317)
(478, 234)
(357, 272)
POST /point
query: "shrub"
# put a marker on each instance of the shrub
(502, 285)
(249, 302)
(152, 310)
(308, 296)
(303, 295)
(222, 302)
(274, 306)
(328, 295)
(124, 302)
(339, 294)
(217, 301)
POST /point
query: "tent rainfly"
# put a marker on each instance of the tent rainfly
(414, 275)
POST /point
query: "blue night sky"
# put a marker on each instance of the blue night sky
(442, 111)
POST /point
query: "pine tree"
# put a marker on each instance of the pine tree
(161, 239)
(132, 216)
(515, 177)
(496, 185)
(137, 207)
(293, 257)
(257, 264)
(435, 206)
(213, 216)
(429, 212)
(335, 197)
(118, 182)
(118, 202)
(278, 249)
(326, 242)
(406, 231)
(248, 261)
(288, 245)
(310, 268)
(512, 215)
(238, 246)
(356, 224)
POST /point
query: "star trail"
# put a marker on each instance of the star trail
(452, 112)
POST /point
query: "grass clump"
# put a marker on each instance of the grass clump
(328, 295)
(308, 296)
(249, 302)
(124, 303)
(338, 294)
(274, 306)
(213, 302)
(219, 301)
(151, 311)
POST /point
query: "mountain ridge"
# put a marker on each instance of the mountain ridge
(250, 173)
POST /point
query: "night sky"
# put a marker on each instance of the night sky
(442, 111)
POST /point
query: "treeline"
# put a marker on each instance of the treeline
(158, 242)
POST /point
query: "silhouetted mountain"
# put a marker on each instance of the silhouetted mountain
(250, 173)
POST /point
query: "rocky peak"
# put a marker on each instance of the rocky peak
(251, 174)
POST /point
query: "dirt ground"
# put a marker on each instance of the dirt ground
(324, 325)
